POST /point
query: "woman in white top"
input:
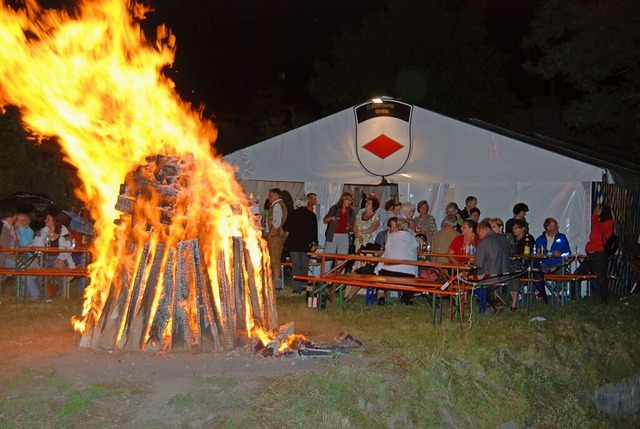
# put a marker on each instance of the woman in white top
(54, 234)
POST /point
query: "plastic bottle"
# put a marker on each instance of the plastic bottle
(535, 250)
(472, 249)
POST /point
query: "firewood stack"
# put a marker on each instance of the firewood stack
(164, 296)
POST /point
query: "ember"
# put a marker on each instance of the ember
(184, 267)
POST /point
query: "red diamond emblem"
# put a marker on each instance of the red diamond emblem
(383, 146)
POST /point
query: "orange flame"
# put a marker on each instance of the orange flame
(95, 82)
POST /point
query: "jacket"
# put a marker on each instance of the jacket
(600, 233)
(331, 226)
(302, 227)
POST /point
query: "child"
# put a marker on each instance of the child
(25, 233)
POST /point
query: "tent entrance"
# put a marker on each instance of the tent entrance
(383, 192)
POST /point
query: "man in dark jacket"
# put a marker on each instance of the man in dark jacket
(302, 227)
(492, 258)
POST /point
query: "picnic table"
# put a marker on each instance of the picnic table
(30, 262)
(334, 281)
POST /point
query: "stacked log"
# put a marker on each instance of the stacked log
(164, 297)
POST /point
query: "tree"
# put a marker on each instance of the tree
(593, 47)
(432, 53)
(33, 167)
(268, 114)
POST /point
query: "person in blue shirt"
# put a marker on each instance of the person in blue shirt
(25, 233)
(554, 242)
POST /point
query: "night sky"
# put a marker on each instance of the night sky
(227, 51)
(232, 56)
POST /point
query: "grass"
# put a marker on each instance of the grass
(488, 371)
(42, 400)
(483, 373)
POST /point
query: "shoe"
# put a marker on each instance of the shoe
(408, 302)
(513, 309)
(381, 300)
(298, 290)
(498, 308)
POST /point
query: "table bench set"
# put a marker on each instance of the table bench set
(30, 262)
(455, 280)
(333, 282)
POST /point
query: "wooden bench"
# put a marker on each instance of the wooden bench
(29, 260)
(408, 284)
(67, 273)
(563, 279)
(334, 281)
(289, 264)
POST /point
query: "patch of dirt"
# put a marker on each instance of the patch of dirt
(47, 345)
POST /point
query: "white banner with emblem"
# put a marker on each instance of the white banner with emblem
(383, 136)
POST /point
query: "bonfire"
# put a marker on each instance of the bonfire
(177, 259)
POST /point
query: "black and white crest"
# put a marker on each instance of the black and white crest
(383, 136)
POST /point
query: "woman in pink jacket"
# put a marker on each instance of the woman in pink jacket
(597, 260)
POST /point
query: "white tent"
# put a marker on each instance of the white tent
(449, 160)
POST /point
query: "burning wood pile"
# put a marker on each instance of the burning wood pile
(163, 296)
(183, 267)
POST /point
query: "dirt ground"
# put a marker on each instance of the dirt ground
(48, 347)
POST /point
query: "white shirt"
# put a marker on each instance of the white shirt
(400, 245)
(64, 242)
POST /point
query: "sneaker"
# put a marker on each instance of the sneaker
(299, 290)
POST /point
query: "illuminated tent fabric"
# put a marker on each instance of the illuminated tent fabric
(450, 159)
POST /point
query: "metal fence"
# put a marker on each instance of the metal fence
(625, 205)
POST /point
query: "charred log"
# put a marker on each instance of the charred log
(172, 293)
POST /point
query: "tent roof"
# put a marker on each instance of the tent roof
(444, 150)
(625, 174)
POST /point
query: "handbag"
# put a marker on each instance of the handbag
(368, 268)
(611, 245)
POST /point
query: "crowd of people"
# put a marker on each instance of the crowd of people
(401, 230)
(18, 230)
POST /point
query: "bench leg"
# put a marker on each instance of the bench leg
(457, 304)
(454, 307)
(281, 277)
(433, 310)
(66, 286)
(317, 293)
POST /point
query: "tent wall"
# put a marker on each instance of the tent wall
(449, 160)
(444, 150)
(328, 194)
(568, 203)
